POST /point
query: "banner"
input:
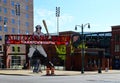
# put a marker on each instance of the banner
(32, 39)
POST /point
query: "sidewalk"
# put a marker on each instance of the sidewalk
(57, 72)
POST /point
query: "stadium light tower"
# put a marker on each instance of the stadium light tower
(58, 15)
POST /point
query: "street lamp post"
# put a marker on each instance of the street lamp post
(4, 46)
(17, 8)
(82, 49)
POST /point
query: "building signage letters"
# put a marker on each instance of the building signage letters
(32, 39)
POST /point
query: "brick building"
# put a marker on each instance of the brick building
(16, 17)
(96, 55)
(115, 46)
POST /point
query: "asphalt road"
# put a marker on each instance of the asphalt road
(97, 78)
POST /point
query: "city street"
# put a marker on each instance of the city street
(83, 78)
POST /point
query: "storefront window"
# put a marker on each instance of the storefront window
(117, 37)
(117, 48)
(16, 61)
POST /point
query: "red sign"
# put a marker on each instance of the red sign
(32, 39)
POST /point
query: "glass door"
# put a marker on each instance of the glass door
(15, 62)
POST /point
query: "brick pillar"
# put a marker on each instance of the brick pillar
(68, 60)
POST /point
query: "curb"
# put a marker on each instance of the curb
(57, 73)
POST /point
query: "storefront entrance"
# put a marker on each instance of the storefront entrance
(17, 62)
